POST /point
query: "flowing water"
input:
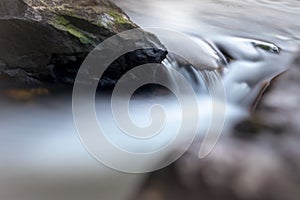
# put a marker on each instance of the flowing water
(41, 154)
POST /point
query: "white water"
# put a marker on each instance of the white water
(41, 155)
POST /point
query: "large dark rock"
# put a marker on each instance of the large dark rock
(47, 40)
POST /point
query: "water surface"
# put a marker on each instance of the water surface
(41, 154)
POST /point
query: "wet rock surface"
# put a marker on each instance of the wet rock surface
(259, 160)
(46, 41)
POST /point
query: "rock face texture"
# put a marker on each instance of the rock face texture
(47, 40)
(260, 160)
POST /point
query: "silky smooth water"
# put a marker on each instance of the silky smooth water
(41, 154)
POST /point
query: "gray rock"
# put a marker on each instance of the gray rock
(37, 34)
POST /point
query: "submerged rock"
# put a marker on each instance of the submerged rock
(46, 41)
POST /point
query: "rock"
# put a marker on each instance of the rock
(46, 41)
(260, 161)
(129, 61)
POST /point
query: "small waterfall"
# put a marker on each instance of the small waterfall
(200, 80)
(249, 65)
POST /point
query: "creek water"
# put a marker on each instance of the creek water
(41, 154)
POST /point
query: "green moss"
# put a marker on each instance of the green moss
(119, 18)
(62, 21)
(267, 47)
(64, 24)
(264, 47)
(76, 32)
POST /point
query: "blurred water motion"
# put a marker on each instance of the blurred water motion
(264, 19)
(41, 156)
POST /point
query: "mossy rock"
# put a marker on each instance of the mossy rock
(38, 37)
